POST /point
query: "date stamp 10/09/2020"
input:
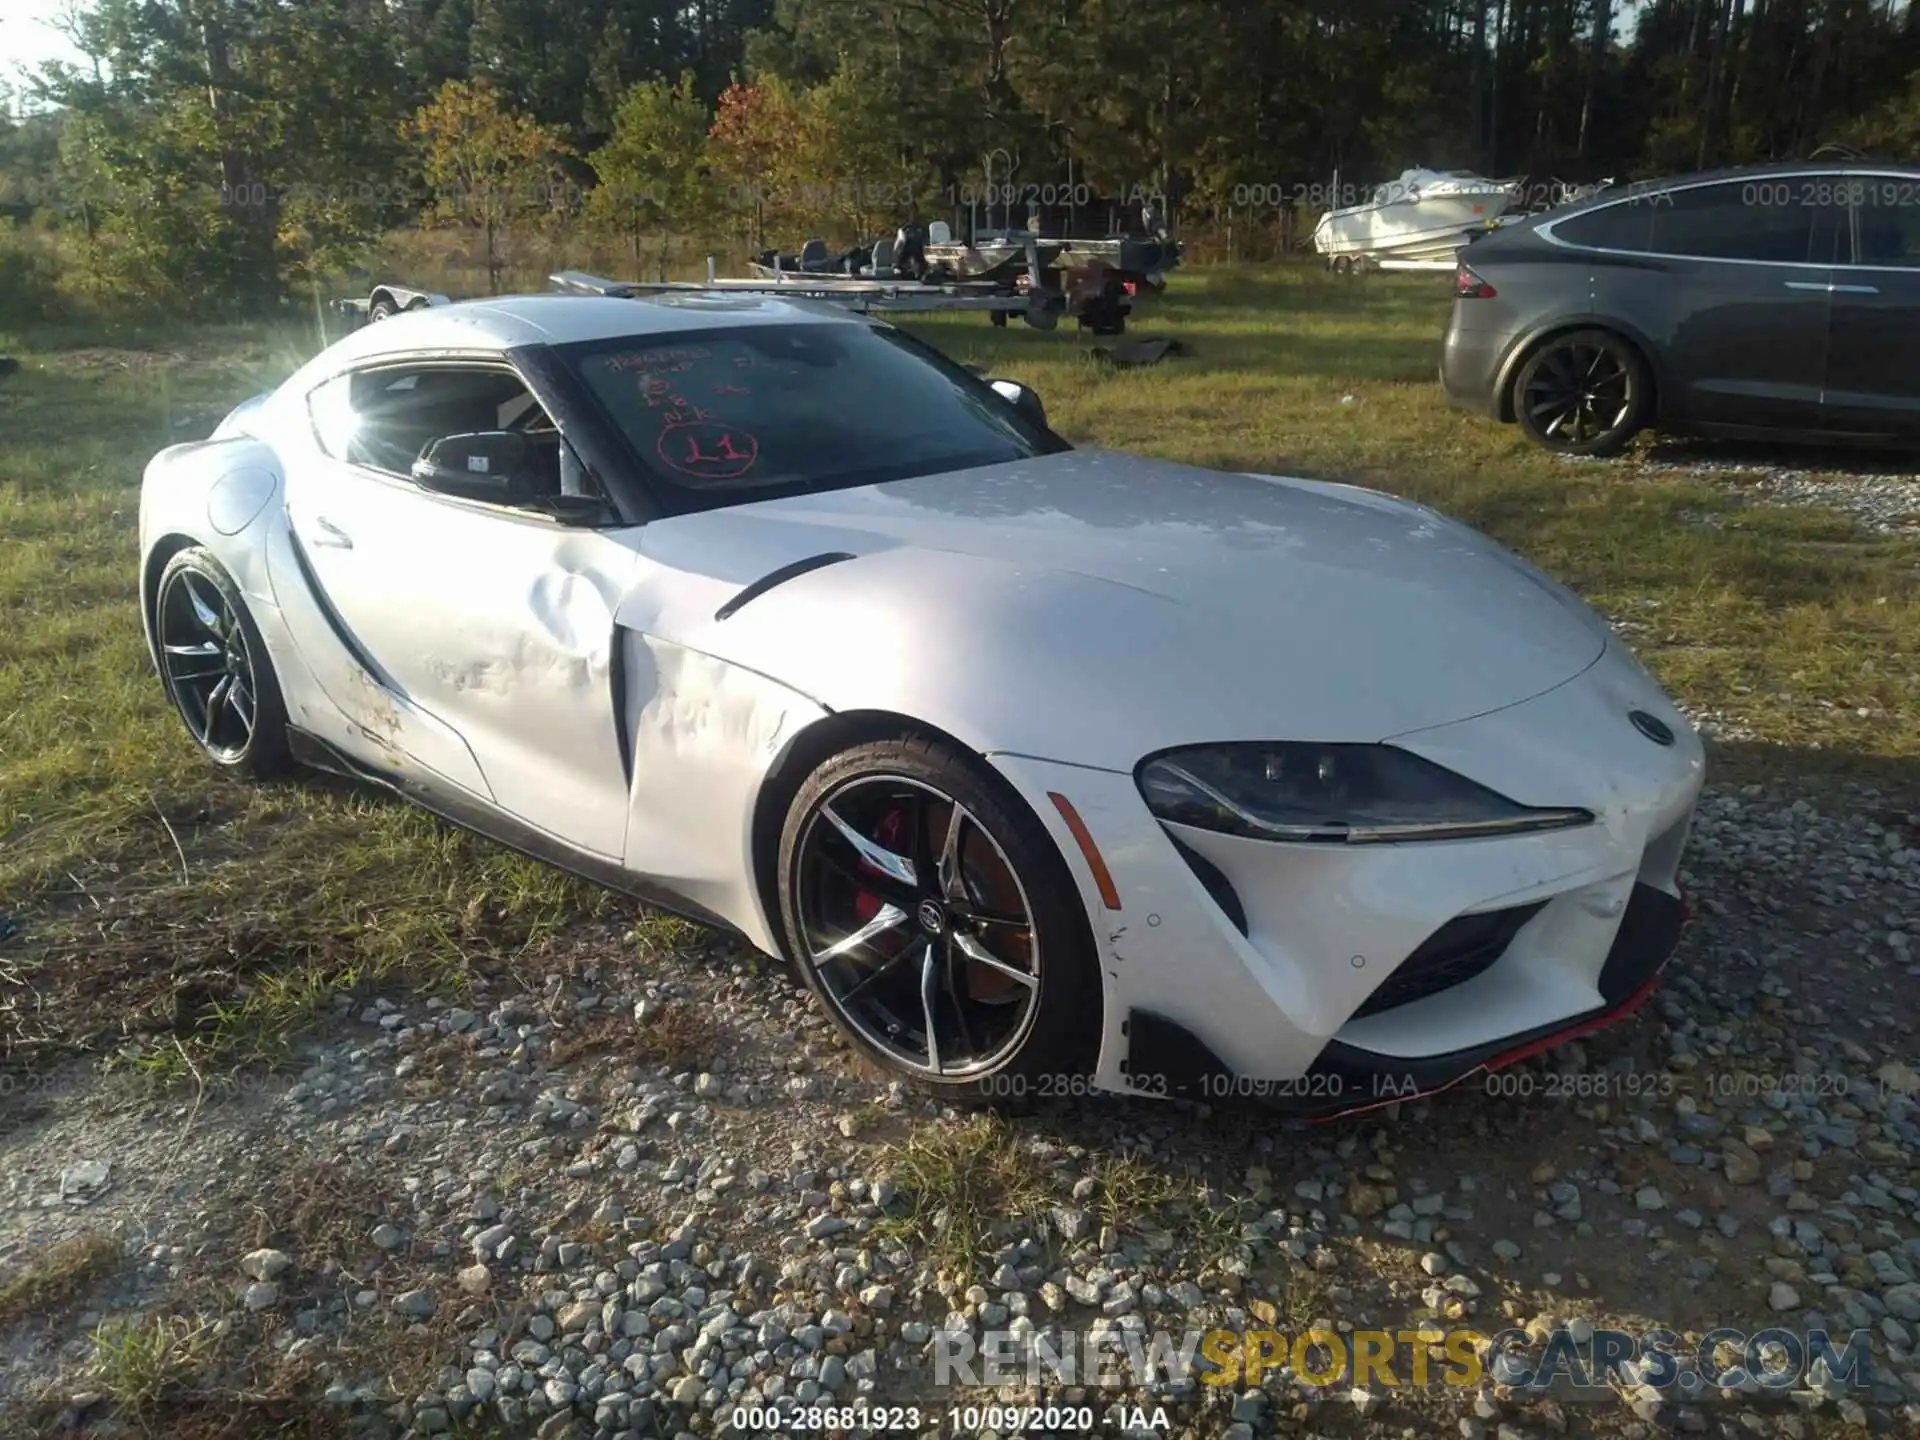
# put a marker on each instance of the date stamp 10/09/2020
(1319, 1088)
(952, 1419)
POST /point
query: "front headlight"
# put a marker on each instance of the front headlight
(1351, 794)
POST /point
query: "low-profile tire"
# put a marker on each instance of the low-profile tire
(1582, 393)
(216, 669)
(920, 897)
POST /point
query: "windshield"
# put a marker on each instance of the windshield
(745, 412)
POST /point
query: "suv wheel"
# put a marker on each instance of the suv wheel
(1583, 393)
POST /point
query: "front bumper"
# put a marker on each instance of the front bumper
(1167, 1059)
(1285, 965)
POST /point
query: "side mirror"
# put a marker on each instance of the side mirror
(494, 465)
(1022, 397)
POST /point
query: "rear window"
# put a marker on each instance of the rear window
(1889, 212)
(1623, 225)
(1765, 220)
(1789, 221)
(743, 412)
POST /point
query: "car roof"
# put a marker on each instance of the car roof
(505, 322)
(1776, 167)
(1626, 189)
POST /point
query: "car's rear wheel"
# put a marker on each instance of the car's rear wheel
(1582, 393)
(936, 922)
(382, 309)
(215, 667)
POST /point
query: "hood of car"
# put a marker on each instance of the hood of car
(1178, 604)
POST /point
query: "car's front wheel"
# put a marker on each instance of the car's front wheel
(936, 922)
(1583, 393)
(215, 667)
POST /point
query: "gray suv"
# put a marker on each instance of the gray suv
(1780, 301)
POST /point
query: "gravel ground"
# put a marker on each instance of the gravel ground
(1646, 627)
(640, 1195)
(1880, 493)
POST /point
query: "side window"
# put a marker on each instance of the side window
(385, 419)
(1889, 220)
(1831, 244)
(1774, 221)
(331, 408)
(1623, 225)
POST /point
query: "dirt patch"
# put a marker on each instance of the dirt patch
(125, 361)
(46, 1283)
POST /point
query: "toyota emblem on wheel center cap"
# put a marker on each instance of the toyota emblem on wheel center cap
(1651, 726)
(932, 918)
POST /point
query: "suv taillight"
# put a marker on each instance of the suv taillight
(1469, 286)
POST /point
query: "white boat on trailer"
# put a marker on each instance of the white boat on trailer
(1422, 218)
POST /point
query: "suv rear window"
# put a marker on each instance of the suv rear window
(1623, 225)
(1794, 220)
(1765, 220)
(1889, 223)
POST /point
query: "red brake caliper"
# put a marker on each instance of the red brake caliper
(892, 831)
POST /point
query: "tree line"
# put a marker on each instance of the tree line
(230, 152)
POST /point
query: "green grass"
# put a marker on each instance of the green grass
(189, 921)
(959, 1185)
(142, 1362)
(204, 918)
(59, 1275)
(967, 1187)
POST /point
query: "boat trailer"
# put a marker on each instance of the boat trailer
(1101, 307)
(1040, 306)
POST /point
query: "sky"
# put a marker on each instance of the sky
(27, 41)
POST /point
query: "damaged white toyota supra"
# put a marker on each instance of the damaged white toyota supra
(1051, 770)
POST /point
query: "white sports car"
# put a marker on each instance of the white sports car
(1050, 769)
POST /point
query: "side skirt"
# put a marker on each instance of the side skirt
(1798, 435)
(469, 813)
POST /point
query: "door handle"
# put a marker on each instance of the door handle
(1827, 289)
(329, 535)
(1856, 289)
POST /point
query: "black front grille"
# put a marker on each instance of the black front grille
(1455, 953)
